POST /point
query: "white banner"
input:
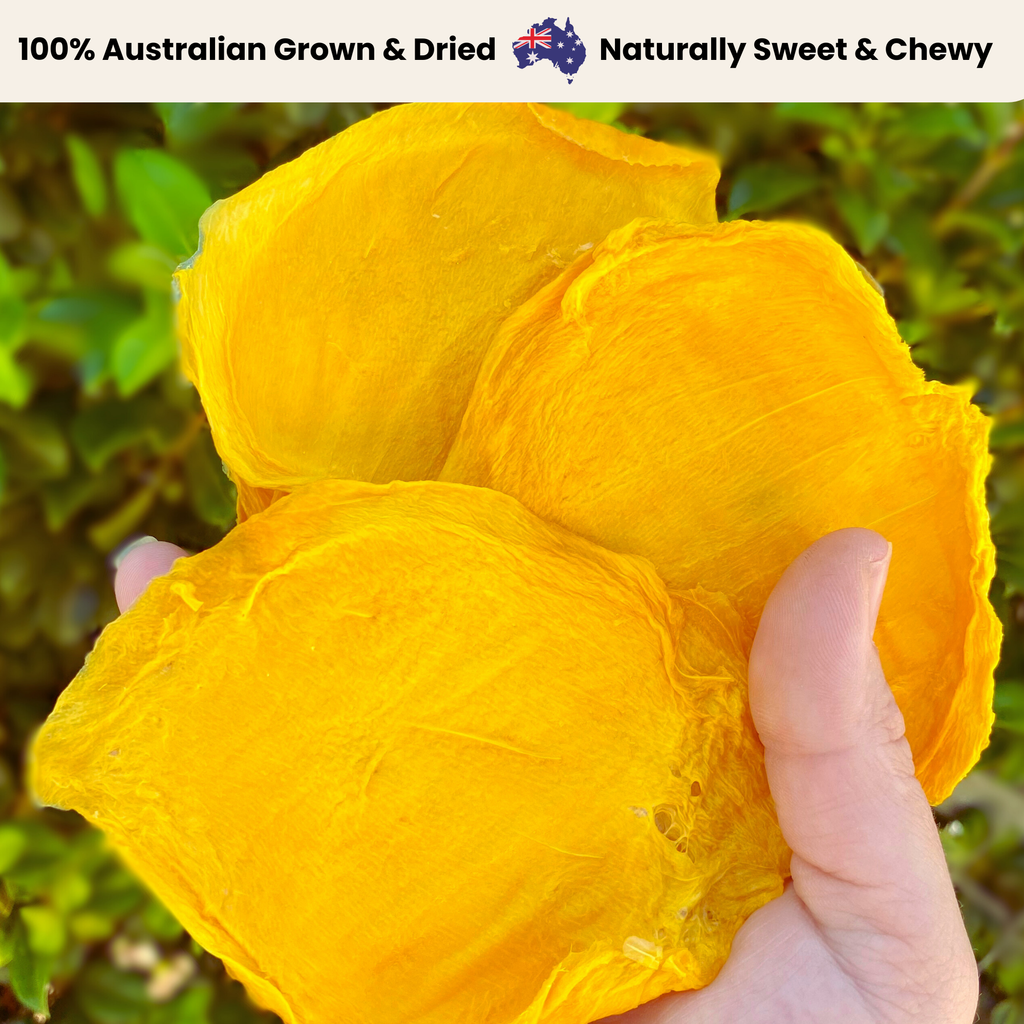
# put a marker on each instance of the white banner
(593, 51)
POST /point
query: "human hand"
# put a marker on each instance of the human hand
(869, 930)
(138, 563)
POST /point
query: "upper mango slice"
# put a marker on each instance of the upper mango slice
(337, 313)
(409, 754)
(717, 398)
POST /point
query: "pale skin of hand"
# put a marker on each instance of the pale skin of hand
(869, 930)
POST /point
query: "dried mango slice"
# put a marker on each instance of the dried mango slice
(717, 398)
(406, 754)
(337, 313)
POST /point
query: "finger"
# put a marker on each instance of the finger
(867, 860)
(138, 563)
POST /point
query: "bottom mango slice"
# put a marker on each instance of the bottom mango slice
(408, 753)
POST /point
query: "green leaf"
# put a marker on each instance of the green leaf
(12, 844)
(944, 294)
(87, 174)
(45, 928)
(60, 278)
(765, 187)
(1008, 705)
(29, 974)
(100, 316)
(213, 495)
(115, 893)
(605, 113)
(146, 347)
(89, 926)
(144, 265)
(934, 122)
(913, 236)
(1010, 973)
(227, 168)
(160, 922)
(1011, 572)
(6, 277)
(189, 123)
(7, 940)
(110, 996)
(16, 383)
(1009, 238)
(71, 891)
(163, 197)
(13, 316)
(190, 1007)
(837, 116)
(1007, 435)
(891, 184)
(867, 223)
(106, 534)
(39, 864)
(1009, 1011)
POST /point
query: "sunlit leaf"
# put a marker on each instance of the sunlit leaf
(145, 348)
(162, 197)
(144, 265)
(605, 113)
(45, 929)
(12, 842)
(15, 380)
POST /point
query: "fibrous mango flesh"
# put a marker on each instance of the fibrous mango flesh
(478, 750)
(337, 313)
(717, 398)
(408, 754)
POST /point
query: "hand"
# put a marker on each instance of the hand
(136, 564)
(869, 930)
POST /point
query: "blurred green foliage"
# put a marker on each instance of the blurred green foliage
(102, 439)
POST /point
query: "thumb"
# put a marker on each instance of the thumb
(867, 862)
(136, 564)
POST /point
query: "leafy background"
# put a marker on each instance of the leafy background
(101, 439)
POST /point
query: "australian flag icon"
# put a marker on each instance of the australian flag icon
(546, 41)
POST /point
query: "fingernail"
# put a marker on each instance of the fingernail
(879, 572)
(119, 556)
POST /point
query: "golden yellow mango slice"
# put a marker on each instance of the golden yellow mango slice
(407, 754)
(717, 398)
(337, 313)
